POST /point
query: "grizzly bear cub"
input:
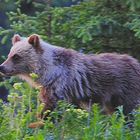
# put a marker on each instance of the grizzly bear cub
(108, 79)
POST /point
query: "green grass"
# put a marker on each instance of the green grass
(74, 124)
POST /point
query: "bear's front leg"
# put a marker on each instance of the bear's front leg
(46, 96)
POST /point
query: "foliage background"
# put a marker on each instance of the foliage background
(89, 26)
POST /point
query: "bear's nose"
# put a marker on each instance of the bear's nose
(2, 69)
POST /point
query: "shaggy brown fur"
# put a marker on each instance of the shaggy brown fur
(108, 79)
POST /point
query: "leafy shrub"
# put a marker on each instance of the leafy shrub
(90, 26)
(64, 123)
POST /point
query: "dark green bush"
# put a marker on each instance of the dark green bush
(74, 124)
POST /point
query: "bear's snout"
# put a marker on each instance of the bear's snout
(6, 70)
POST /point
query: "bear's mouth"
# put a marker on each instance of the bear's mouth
(2, 74)
(7, 74)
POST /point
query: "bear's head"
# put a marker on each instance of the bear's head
(24, 56)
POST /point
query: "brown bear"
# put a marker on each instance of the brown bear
(108, 79)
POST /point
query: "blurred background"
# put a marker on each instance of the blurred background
(89, 26)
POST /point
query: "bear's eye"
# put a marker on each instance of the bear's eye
(16, 57)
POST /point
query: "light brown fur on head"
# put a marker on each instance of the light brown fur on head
(23, 57)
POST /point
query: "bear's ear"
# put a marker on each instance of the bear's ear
(34, 40)
(16, 38)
